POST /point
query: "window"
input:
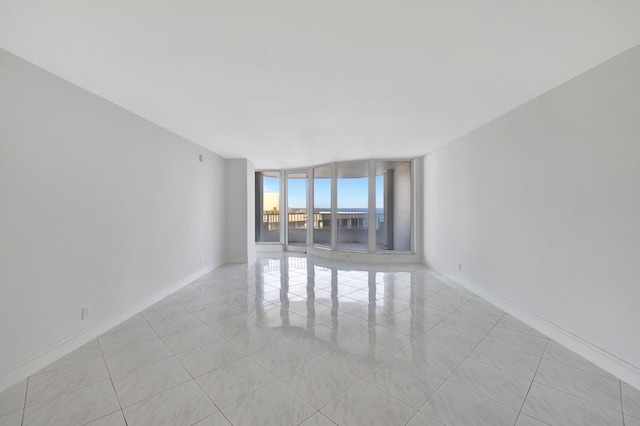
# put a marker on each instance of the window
(353, 206)
(342, 214)
(297, 209)
(322, 206)
(393, 205)
(267, 206)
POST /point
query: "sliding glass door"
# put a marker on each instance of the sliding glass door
(353, 206)
(268, 207)
(365, 206)
(322, 206)
(297, 210)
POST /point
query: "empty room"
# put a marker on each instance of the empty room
(320, 213)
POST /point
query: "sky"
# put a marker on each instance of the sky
(352, 193)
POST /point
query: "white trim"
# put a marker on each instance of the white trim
(371, 206)
(334, 206)
(283, 207)
(269, 248)
(286, 210)
(607, 361)
(297, 249)
(28, 367)
(310, 206)
(388, 257)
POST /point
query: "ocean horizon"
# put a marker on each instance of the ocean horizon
(350, 210)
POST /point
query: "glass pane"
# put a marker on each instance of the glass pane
(297, 208)
(267, 207)
(393, 205)
(353, 217)
(322, 206)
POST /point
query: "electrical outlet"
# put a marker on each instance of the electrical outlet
(201, 260)
(459, 266)
(86, 311)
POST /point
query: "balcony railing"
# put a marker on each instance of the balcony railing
(298, 220)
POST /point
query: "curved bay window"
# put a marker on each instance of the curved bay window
(363, 206)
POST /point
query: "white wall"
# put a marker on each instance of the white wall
(402, 207)
(97, 207)
(542, 209)
(240, 208)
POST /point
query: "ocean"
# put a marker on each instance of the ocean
(351, 210)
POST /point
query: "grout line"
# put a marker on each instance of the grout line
(624, 422)
(106, 415)
(458, 366)
(69, 391)
(532, 380)
(24, 405)
(110, 378)
(203, 391)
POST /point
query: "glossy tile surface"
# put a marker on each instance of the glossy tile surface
(421, 419)
(136, 356)
(318, 420)
(455, 405)
(319, 381)
(62, 380)
(494, 383)
(184, 404)
(282, 357)
(291, 340)
(217, 419)
(13, 398)
(11, 419)
(496, 355)
(113, 419)
(405, 381)
(591, 387)
(203, 359)
(630, 400)
(559, 408)
(364, 404)
(74, 408)
(149, 380)
(84, 352)
(273, 404)
(525, 420)
(228, 384)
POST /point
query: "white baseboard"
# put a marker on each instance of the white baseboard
(620, 368)
(269, 248)
(28, 367)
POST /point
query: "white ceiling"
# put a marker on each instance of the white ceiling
(290, 83)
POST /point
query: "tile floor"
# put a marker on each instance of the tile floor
(290, 340)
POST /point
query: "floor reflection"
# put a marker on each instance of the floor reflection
(322, 303)
(292, 340)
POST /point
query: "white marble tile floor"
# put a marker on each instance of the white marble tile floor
(295, 340)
